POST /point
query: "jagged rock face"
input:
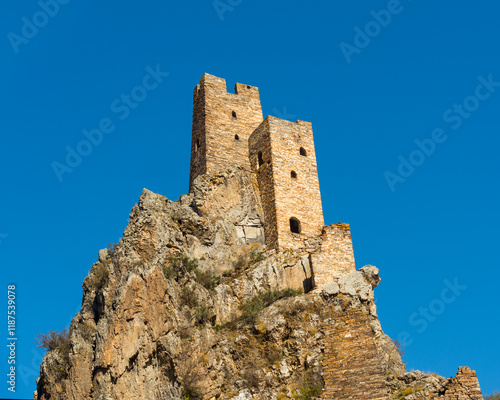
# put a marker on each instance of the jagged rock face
(156, 325)
(135, 337)
(418, 385)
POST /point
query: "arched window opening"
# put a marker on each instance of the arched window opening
(293, 174)
(196, 145)
(234, 114)
(236, 137)
(294, 225)
(303, 152)
(261, 160)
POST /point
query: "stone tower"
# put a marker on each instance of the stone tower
(282, 154)
(229, 132)
(222, 124)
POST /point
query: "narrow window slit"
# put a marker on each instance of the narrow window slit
(294, 225)
(261, 160)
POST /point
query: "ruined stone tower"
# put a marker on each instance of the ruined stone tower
(229, 132)
(282, 154)
(222, 124)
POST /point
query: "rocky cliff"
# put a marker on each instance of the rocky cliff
(191, 305)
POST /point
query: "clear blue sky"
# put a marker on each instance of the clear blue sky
(428, 74)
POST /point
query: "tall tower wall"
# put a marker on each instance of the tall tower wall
(222, 124)
(282, 154)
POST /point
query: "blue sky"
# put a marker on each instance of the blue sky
(404, 101)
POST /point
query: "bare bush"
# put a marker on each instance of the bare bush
(54, 340)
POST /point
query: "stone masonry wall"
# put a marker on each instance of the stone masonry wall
(335, 257)
(198, 144)
(351, 367)
(299, 197)
(222, 124)
(463, 386)
(259, 142)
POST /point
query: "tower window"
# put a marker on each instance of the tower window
(303, 152)
(196, 145)
(261, 160)
(236, 137)
(293, 174)
(234, 114)
(294, 225)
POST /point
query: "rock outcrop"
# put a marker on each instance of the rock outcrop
(191, 304)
